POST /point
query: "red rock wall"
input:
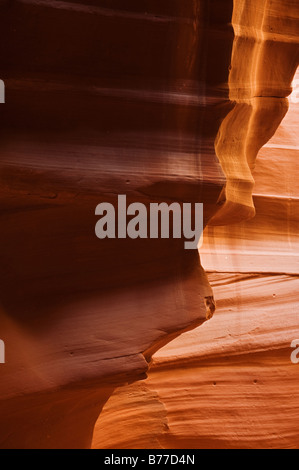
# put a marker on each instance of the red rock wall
(130, 105)
(231, 383)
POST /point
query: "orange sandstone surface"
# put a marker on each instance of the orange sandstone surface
(231, 383)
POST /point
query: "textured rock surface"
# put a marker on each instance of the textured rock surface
(227, 384)
(154, 100)
(116, 109)
(231, 383)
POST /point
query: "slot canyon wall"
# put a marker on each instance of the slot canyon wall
(110, 343)
(230, 383)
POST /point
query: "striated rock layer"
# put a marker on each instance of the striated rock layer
(131, 105)
(227, 384)
(231, 382)
(161, 101)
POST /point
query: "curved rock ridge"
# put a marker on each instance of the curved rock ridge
(269, 242)
(264, 60)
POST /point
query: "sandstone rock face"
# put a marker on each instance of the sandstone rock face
(231, 382)
(161, 101)
(227, 384)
